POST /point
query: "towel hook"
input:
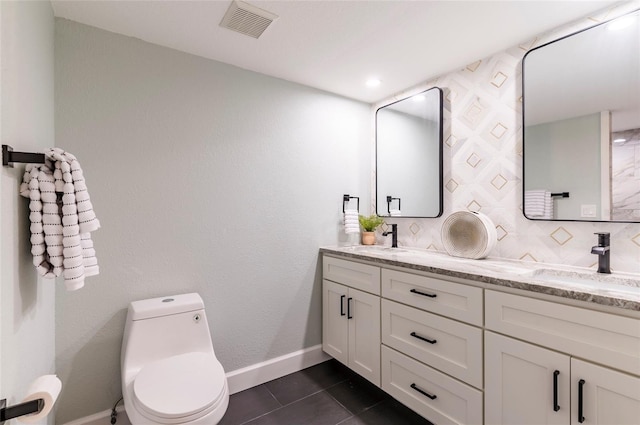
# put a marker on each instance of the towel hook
(391, 199)
(9, 157)
(346, 198)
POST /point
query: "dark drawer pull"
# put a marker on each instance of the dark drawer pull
(415, 291)
(580, 400)
(423, 392)
(430, 341)
(349, 316)
(556, 407)
(342, 297)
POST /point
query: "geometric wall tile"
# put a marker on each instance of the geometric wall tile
(451, 185)
(474, 66)
(473, 160)
(483, 167)
(498, 181)
(499, 130)
(502, 233)
(561, 235)
(499, 79)
(473, 206)
(528, 257)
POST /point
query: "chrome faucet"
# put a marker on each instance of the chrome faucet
(602, 250)
(394, 235)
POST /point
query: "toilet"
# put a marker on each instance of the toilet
(170, 374)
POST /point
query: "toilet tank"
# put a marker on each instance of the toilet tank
(162, 327)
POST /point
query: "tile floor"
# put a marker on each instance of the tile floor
(325, 394)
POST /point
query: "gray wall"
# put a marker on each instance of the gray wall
(206, 178)
(408, 163)
(26, 98)
(564, 156)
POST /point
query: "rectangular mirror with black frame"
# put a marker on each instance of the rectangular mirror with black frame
(409, 156)
(581, 125)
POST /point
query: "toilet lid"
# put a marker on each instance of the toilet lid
(180, 386)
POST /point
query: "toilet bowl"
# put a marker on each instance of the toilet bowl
(170, 374)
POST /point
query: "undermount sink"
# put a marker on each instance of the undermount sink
(375, 248)
(617, 282)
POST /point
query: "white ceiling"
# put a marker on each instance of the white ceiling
(337, 45)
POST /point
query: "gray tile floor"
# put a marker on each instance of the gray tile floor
(325, 394)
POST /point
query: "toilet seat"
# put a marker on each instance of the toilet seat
(180, 388)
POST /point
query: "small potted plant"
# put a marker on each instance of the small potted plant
(369, 225)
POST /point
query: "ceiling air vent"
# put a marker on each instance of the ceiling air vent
(247, 19)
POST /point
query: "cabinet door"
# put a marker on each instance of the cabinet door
(364, 334)
(608, 397)
(519, 383)
(335, 329)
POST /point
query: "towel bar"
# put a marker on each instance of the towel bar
(9, 157)
(560, 195)
(346, 198)
(391, 199)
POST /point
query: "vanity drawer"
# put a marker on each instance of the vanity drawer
(454, 402)
(601, 337)
(457, 349)
(460, 302)
(356, 275)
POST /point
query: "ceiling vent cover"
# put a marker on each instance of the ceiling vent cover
(247, 19)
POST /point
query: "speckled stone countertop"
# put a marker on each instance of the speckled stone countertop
(621, 290)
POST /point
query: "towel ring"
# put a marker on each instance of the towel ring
(345, 200)
(391, 199)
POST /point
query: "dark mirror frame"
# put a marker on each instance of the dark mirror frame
(381, 205)
(562, 194)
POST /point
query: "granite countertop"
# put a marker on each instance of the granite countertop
(620, 290)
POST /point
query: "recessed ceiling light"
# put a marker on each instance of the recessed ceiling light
(619, 140)
(373, 82)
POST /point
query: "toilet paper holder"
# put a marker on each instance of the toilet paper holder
(17, 410)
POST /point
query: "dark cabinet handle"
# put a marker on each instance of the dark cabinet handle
(415, 291)
(430, 341)
(555, 390)
(349, 316)
(580, 400)
(342, 297)
(423, 392)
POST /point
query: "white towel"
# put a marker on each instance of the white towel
(351, 223)
(538, 204)
(61, 218)
(395, 213)
(548, 206)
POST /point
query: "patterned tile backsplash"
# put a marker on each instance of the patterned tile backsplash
(483, 166)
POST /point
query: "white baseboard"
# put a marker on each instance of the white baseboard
(103, 418)
(259, 373)
(238, 380)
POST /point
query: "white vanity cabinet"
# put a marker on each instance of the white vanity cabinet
(431, 352)
(552, 383)
(351, 317)
(461, 351)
